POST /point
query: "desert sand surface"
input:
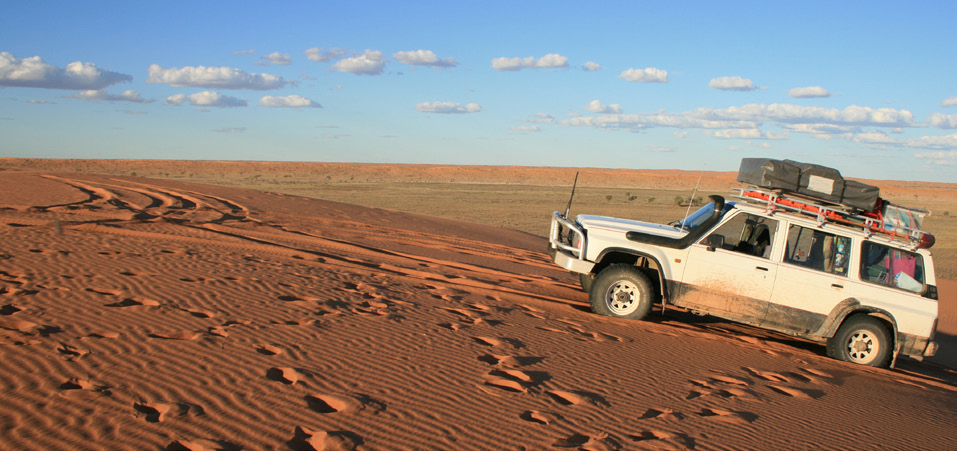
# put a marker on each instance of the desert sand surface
(144, 313)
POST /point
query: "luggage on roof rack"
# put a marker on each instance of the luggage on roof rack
(819, 182)
(893, 221)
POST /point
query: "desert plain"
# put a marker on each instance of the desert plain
(253, 305)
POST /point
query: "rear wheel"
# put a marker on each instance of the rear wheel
(621, 291)
(862, 339)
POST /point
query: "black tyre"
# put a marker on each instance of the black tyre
(864, 340)
(621, 291)
(586, 280)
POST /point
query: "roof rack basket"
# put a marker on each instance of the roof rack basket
(896, 222)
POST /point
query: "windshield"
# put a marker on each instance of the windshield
(698, 217)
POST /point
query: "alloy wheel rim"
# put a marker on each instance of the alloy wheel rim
(622, 298)
(862, 347)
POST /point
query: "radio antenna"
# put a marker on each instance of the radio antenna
(691, 201)
(574, 185)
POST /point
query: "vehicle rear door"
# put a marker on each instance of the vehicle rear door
(812, 279)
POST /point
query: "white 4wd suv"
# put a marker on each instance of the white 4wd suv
(869, 296)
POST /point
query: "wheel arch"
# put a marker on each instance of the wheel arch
(633, 257)
(850, 307)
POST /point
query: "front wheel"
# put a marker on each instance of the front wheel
(862, 339)
(621, 291)
(586, 281)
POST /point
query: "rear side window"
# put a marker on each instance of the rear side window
(892, 267)
(817, 250)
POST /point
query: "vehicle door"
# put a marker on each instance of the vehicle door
(812, 279)
(729, 273)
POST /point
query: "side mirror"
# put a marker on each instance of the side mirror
(714, 242)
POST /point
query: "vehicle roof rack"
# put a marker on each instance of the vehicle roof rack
(898, 223)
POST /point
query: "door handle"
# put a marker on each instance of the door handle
(760, 268)
(837, 286)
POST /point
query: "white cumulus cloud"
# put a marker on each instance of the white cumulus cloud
(950, 101)
(320, 55)
(101, 95)
(206, 99)
(646, 75)
(943, 120)
(369, 63)
(595, 106)
(552, 60)
(448, 107)
(33, 72)
(591, 66)
(809, 92)
(423, 58)
(732, 84)
(213, 77)
(274, 59)
(292, 101)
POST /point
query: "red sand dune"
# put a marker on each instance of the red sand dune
(149, 314)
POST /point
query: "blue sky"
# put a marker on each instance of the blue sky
(869, 88)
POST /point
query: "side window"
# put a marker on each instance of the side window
(748, 234)
(817, 250)
(892, 267)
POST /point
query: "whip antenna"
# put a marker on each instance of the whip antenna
(691, 201)
(574, 185)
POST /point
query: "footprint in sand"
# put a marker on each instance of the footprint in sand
(304, 438)
(581, 441)
(84, 384)
(767, 375)
(332, 403)
(267, 349)
(540, 417)
(663, 413)
(71, 352)
(732, 380)
(799, 393)
(157, 412)
(9, 309)
(451, 326)
(286, 375)
(489, 341)
(291, 298)
(499, 342)
(219, 331)
(505, 384)
(663, 440)
(726, 393)
(27, 327)
(104, 291)
(201, 445)
(569, 398)
(133, 301)
(103, 334)
(728, 416)
(199, 313)
(508, 361)
(340, 403)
